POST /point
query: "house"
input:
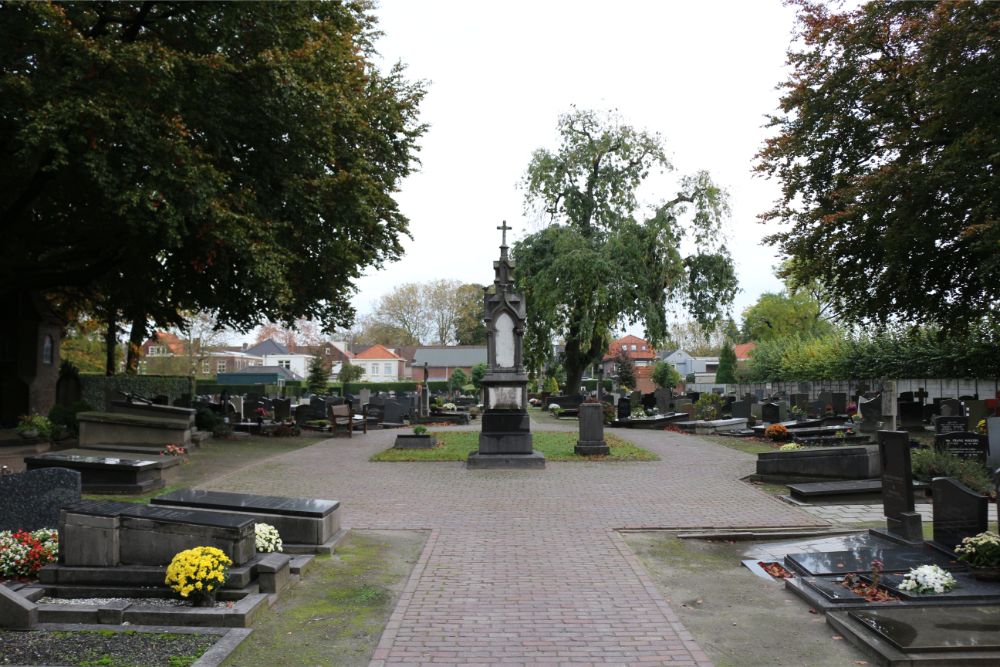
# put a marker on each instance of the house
(743, 351)
(165, 353)
(443, 360)
(276, 375)
(380, 364)
(703, 368)
(332, 354)
(643, 357)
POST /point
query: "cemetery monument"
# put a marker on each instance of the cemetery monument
(505, 441)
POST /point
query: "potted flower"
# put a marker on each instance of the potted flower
(982, 553)
(30, 427)
(419, 439)
(266, 538)
(927, 579)
(776, 432)
(198, 574)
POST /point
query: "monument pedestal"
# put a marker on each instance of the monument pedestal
(479, 461)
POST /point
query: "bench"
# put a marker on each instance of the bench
(343, 418)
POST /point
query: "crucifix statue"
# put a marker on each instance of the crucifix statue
(504, 228)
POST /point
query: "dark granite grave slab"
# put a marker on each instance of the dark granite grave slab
(897, 486)
(967, 588)
(832, 591)
(849, 487)
(244, 502)
(848, 462)
(924, 629)
(102, 474)
(31, 500)
(895, 558)
(949, 424)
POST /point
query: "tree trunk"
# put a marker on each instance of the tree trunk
(135, 340)
(110, 344)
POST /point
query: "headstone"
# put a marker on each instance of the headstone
(250, 409)
(871, 413)
(393, 412)
(317, 408)
(364, 397)
(687, 408)
(897, 486)
(757, 411)
(635, 398)
(649, 401)
(591, 442)
(911, 414)
(664, 397)
(826, 398)
(759, 394)
(949, 424)
(839, 401)
(975, 412)
(949, 407)
(963, 444)
(31, 500)
(282, 409)
(237, 403)
(993, 435)
(770, 413)
(801, 401)
(740, 410)
(624, 407)
(920, 395)
(959, 512)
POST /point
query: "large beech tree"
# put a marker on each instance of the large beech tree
(595, 266)
(238, 158)
(887, 148)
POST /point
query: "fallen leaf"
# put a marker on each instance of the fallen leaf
(837, 637)
(812, 611)
(860, 662)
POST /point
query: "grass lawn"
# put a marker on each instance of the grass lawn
(457, 445)
(214, 459)
(745, 445)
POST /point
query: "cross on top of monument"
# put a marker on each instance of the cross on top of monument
(504, 228)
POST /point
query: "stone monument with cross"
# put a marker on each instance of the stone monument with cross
(505, 440)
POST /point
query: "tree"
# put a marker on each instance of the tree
(726, 373)
(301, 332)
(478, 373)
(318, 377)
(886, 149)
(594, 267)
(780, 315)
(442, 309)
(372, 330)
(665, 375)
(469, 326)
(131, 184)
(200, 335)
(349, 372)
(405, 309)
(84, 346)
(698, 340)
(625, 369)
(457, 380)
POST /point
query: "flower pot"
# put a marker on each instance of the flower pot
(204, 600)
(985, 572)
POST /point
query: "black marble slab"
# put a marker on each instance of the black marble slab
(843, 488)
(833, 591)
(31, 500)
(244, 502)
(164, 514)
(895, 558)
(930, 629)
(967, 588)
(83, 461)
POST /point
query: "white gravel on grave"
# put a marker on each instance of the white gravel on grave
(143, 602)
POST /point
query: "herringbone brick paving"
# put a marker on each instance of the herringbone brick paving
(526, 567)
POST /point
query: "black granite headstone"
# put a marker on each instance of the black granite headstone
(949, 424)
(624, 407)
(740, 410)
(949, 407)
(910, 413)
(963, 444)
(897, 486)
(31, 500)
(770, 413)
(959, 512)
(282, 409)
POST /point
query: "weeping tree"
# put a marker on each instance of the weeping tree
(595, 266)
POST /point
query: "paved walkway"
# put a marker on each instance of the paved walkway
(526, 567)
(850, 514)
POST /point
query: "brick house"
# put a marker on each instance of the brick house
(643, 357)
(380, 364)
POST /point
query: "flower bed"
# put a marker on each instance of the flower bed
(23, 553)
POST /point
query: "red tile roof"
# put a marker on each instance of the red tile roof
(629, 341)
(376, 352)
(743, 350)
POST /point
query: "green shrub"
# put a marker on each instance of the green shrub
(709, 406)
(66, 416)
(419, 430)
(928, 463)
(206, 420)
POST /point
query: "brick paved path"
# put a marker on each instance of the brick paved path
(526, 567)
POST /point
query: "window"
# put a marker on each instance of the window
(157, 351)
(220, 366)
(711, 368)
(47, 351)
(387, 369)
(206, 367)
(643, 347)
(633, 347)
(285, 363)
(328, 351)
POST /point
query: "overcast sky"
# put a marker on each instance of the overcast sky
(701, 74)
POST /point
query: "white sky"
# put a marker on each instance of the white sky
(702, 74)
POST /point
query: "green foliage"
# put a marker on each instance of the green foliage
(37, 424)
(206, 420)
(551, 386)
(726, 373)
(928, 463)
(689, 378)
(318, 376)
(665, 375)
(478, 372)
(595, 265)
(590, 384)
(708, 406)
(469, 326)
(119, 124)
(887, 124)
(457, 379)
(350, 373)
(782, 315)
(625, 369)
(419, 430)
(899, 353)
(66, 416)
(95, 387)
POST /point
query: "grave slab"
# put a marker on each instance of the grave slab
(298, 520)
(105, 474)
(896, 558)
(31, 500)
(923, 629)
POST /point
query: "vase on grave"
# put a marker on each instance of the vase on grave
(505, 440)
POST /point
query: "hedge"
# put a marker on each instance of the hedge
(94, 388)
